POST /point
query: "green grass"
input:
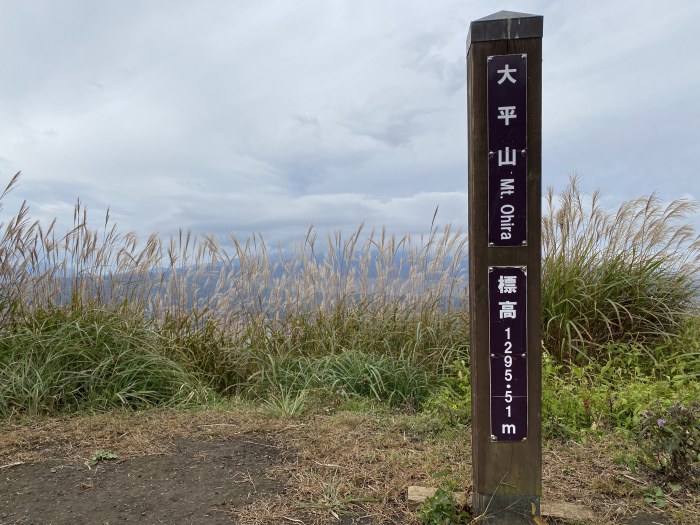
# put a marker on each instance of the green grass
(612, 395)
(96, 319)
(94, 360)
(625, 277)
(398, 381)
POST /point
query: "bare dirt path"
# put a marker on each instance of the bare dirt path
(241, 466)
(195, 482)
(169, 467)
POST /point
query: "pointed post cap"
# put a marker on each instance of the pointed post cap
(505, 25)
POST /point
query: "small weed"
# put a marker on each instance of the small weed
(452, 400)
(100, 456)
(285, 402)
(629, 460)
(442, 509)
(655, 496)
(671, 440)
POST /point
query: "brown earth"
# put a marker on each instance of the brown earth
(242, 466)
(170, 467)
(196, 482)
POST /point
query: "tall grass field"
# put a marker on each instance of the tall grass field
(94, 318)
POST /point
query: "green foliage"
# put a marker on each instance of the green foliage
(671, 439)
(452, 400)
(681, 356)
(655, 496)
(285, 402)
(101, 455)
(625, 277)
(566, 403)
(398, 381)
(442, 509)
(612, 394)
(60, 361)
(631, 461)
(203, 347)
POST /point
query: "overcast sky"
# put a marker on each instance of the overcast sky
(240, 116)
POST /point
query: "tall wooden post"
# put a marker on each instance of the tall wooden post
(504, 85)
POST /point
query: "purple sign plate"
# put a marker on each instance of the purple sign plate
(508, 352)
(507, 143)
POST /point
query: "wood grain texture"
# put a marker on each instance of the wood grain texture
(508, 469)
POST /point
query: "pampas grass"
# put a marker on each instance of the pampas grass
(629, 275)
(388, 312)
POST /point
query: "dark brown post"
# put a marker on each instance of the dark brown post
(504, 92)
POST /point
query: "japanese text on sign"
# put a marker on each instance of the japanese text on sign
(508, 352)
(507, 143)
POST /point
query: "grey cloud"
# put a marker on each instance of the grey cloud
(239, 116)
(395, 128)
(287, 218)
(306, 120)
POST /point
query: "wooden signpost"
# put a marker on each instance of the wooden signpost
(504, 92)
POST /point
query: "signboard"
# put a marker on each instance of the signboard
(507, 144)
(504, 100)
(508, 352)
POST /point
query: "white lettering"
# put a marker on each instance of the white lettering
(507, 187)
(507, 283)
(507, 428)
(507, 216)
(507, 309)
(510, 157)
(506, 113)
(506, 74)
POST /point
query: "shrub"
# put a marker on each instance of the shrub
(628, 276)
(369, 314)
(671, 439)
(442, 509)
(59, 361)
(612, 394)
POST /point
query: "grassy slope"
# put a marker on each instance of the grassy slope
(369, 318)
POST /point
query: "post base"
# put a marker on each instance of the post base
(502, 509)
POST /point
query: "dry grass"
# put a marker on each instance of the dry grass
(608, 276)
(625, 276)
(129, 434)
(226, 311)
(593, 475)
(192, 278)
(364, 464)
(224, 307)
(347, 466)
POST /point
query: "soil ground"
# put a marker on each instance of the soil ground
(197, 482)
(241, 466)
